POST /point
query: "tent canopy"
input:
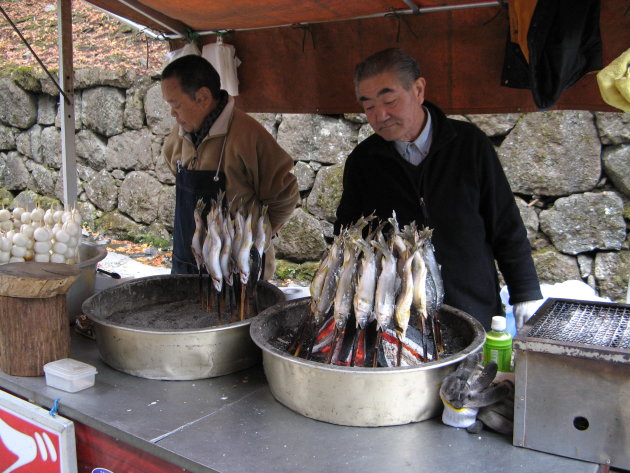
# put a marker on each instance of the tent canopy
(299, 56)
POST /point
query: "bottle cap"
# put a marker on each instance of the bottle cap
(498, 323)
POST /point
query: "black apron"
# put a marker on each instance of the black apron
(190, 186)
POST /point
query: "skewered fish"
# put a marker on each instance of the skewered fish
(385, 297)
(242, 260)
(213, 261)
(198, 235)
(366, 282)
(397, 278)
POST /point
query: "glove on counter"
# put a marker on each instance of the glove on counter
(498, 417)
(469, 388)
(523, 311)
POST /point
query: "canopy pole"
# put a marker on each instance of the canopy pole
(170, 24)
(414, 10)
(66, 111)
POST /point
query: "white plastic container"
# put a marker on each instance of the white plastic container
(69, 375)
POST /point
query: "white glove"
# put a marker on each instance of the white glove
(469, 388)
(523, 311)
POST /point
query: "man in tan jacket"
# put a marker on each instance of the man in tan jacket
(216, 147)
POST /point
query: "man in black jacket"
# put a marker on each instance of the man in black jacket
(443, 174)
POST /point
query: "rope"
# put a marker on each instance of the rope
(55, 408)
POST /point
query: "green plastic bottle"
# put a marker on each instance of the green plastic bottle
(498, 345)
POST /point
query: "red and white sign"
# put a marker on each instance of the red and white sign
(34, 441)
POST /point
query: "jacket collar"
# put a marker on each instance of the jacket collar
(221, 125)
(443, 131)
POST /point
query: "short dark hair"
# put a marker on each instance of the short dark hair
(392, 59)
(193, 73)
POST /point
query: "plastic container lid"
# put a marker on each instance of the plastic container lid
(498, 323)
(69, 369)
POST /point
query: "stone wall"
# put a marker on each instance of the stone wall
(570, 171)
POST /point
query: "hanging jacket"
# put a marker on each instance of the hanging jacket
(563, 44)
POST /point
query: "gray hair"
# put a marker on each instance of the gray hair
(395, 60)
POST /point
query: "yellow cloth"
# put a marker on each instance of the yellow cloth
(614, 82)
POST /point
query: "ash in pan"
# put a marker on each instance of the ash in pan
(179, 315)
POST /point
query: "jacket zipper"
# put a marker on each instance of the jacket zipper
(419, 196)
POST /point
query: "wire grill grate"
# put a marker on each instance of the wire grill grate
(584, 322)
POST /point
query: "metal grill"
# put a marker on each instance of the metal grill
(590, 323)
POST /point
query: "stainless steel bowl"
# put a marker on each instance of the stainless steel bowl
(171, 354)
(362, 397)
(89, 257)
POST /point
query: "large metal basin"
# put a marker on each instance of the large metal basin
(362, 397)
(171, 354)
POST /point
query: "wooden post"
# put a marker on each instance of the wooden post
(34, 327)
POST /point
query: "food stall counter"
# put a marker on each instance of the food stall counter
(232, 424)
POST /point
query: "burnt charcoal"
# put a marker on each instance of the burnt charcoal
(348, 342)
(413, 352)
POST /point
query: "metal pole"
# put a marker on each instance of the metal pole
(68, 152)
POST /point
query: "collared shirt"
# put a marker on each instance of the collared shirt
(415, 151)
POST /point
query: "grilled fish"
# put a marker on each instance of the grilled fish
(366, 283)
(345, 286)
(198, 235)
(213, 262)
(242, 261)
(385, 297)
(405, 297)
(225, 258)
(323, 303)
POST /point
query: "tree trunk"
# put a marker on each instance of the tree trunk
(33, 332)
(34, 328)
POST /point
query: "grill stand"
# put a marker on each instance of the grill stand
(573, 397)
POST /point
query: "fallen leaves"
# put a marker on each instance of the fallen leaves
(141, 252)
(99, 40)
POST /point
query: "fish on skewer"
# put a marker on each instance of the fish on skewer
(403, 302)
(315, 289)
(205, 258)
(385, 296)
(436, 287)
(237, 238)
(344, 293)
(213, 261)
(419, 302)
(261, 237)
(326, 298)
(226, 263)
(322, 295)
(243, 261)
(197, 242)
(363, 303)
(260, 228)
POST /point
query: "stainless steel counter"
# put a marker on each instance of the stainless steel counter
(232, 424)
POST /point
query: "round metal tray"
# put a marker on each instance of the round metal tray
(171, 354)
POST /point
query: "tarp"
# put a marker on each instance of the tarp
(300, 56)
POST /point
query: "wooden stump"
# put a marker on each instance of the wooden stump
(34, 326)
